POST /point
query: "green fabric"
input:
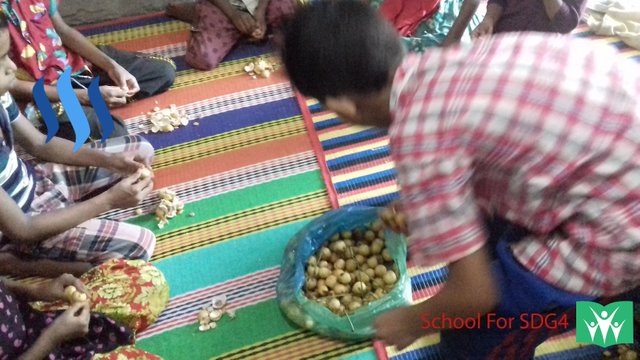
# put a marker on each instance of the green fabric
(227, 260)
(432, 32)
(235, 201)
(252, 325)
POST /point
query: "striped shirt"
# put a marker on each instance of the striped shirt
(15, 176)
(542, 130)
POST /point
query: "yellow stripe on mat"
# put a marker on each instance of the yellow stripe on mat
(140, 32)
(355, 150)
(363, 172)
(324, 117)
(225, 70)
(342, 132)
(369, 194)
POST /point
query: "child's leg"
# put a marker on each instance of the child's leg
(212, 38)
(76, 183)
(182, 11)
(277, 10)
(154, 74)
(94, 241)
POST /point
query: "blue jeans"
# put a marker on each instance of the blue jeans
(521, 292)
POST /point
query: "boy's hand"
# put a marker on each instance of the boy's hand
(124, 80)
(393, 218)
(71, 324)
(244, 22)
(129, 192)
(123, 164)
(113, 96)
(399, 327)
(484, 29)
(53, 289)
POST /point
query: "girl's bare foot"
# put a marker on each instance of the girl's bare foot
(182, 11)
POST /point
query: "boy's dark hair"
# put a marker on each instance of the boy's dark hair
(3, 21)
(341, 47)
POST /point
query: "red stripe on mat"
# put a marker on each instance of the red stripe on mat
(152, 41)
(317, 149)
(211, 165)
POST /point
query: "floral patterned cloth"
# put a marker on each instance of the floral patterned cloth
(21, 325)
(126, 353)
(132, 292)
(35, 45)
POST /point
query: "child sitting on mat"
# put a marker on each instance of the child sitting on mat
(518, 160)
(43, 46)
(48, 221)
(123, 298)
(451, 21)
(559, 16)
(219, 24)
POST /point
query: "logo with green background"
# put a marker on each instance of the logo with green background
(604, 325)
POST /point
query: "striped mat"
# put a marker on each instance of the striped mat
(357, 168)
(246, 169)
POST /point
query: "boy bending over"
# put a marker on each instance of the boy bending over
(518, 160)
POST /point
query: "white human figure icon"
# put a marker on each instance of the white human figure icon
(604, 322)
(615, 328)
(593, 327)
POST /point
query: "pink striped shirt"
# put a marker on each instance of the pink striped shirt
(541, 130)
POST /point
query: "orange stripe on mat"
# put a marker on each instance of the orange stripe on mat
(231, 160)
(152, 41)
(200, 92)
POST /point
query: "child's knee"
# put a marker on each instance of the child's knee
(204, 61)
(166, 73)
(133, 247)
(149, 244)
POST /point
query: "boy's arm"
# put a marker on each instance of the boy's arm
(225, 6)
(445, 226)
(23, 90)
(494, 12)
(60, 151)
(564, 14)
(467, 11)
(75, 41)
(470, 290)
(23, 229)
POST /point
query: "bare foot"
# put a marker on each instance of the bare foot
(182, 11)
(12, 265)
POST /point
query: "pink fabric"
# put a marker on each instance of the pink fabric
(542, 131)
(406, 15)
(215, 35)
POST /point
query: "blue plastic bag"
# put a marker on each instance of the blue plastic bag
(316, 317)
